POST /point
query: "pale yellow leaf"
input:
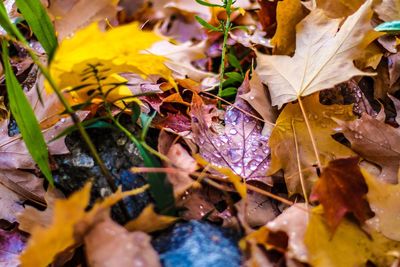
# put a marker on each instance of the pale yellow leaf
(384, 200)
(321, 50)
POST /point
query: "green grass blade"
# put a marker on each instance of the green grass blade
(25, 118)
(392, 27)
(38, 19)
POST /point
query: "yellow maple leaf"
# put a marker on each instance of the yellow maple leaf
(291, 124)
(321, 50)
(349, 246)
(107, 54)
(46, 242)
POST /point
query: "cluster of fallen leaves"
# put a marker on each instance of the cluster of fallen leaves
(304, 161)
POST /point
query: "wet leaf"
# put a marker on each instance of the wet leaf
(383, 199)
(349, 246)
(376, 142)
(320, 51)
(290, 123)
(240, 145)
(341, 189)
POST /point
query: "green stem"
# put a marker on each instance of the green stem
(226, 34)
(69, 110)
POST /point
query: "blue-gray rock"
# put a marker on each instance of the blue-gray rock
(198, 244)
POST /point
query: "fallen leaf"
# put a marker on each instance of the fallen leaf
(288, 14)
(320, 51)
(396, 104)
(149, 221)
(388, 10)
(30, 217)
(376, 142)
(349, 246)
(47, 242)
(267, 14)
(383, 199)
(176, 122)
(339, 8)
(259, 100)
(109, 244)
(180, 159)
(394, 68)
(11, 245)
(283, 146)
(69, 16)
(341, 189)
(77, 58)
(293, 221)
(240, 146)
(10, 204)
(180, 58)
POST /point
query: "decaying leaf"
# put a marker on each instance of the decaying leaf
(290, 123)
(70, 16)
(349, 246)
(341, 189)
(47, 242)
(288, 14)
(180, 58)
(383, 199)
(293, 221)
(239, 146)
(109, 244)
(149, 221)
(30, 217)
(388, 10)
(11, 245)
(179, 159)
(321, 50)
(376, 142)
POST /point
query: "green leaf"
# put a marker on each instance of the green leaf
(392, 27)
(228, 92)
(234, 61)
(235, 76)
(160, 188)
(207, 25)
(25, 118)
(146, 121)
(204, 3)
(37, 18)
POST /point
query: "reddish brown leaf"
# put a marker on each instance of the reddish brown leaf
(267, 15)
(342, 189)
(176, 122)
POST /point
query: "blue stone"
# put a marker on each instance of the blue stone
(198, 244)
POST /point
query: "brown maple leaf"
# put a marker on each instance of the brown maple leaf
(342, 189)
(239, 145)
(376, 142)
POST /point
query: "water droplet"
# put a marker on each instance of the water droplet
(252, 97)
(62, 120)
(234, 154)
(233, 131)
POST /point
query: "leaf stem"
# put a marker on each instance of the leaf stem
(314, 145)
(302, 182)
